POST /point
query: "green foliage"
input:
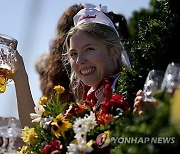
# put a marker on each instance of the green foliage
(43, 138)
(152, 126)
(155, 35)
(154, 43)
(54, 106)
(128, 84)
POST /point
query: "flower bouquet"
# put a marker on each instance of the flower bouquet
(80, 128)
(71, 127)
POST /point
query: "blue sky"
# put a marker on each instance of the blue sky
(33, 24)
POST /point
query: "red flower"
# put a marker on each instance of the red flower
(53, 147)
(116, 102)
(108, 91)
(47, 149)
(103, 118)
(77, 110)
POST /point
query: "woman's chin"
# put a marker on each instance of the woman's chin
(90, 83)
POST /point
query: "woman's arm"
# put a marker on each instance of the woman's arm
(23, 93)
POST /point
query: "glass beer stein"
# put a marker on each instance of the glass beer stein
(152, 84)
(172, 77)
(7, 53)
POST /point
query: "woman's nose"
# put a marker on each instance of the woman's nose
(81, 59)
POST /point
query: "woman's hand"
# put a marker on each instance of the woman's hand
(18, 68)
(139, 103)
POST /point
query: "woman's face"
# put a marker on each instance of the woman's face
(90, 59)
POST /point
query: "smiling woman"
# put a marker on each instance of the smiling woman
(95, 57)
(94, 51)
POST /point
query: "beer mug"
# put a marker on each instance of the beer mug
(152, 84)
(172, 77)
(7, 54)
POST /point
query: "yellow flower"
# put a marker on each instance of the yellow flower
(90, 143)
(60, 125)
(107, 133)
(175, 108)
(43, 100)
(106, 136)
(23, 150)
(59, 89)
(29, 135)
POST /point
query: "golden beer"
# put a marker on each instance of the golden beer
(5, 74)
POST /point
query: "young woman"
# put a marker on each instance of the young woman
(94, 51)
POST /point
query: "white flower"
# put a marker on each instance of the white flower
(82, 148)
(37, 116)
(79, 125)
(81, 137)
(73, 149)
(69, 109)
(90, 121)
(44, 122)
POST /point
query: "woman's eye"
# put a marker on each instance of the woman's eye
(73, 54)
(89, 49)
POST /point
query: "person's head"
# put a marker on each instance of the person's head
(93, 48)
(40, 64)
(93, 51)
(66, 22)
(40, 67)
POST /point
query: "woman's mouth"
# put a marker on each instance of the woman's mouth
(87, 71)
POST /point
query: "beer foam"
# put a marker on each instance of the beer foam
(5, 66)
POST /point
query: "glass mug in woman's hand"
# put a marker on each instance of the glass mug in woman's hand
(172, 77)
(152, 84)
(7, 54)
